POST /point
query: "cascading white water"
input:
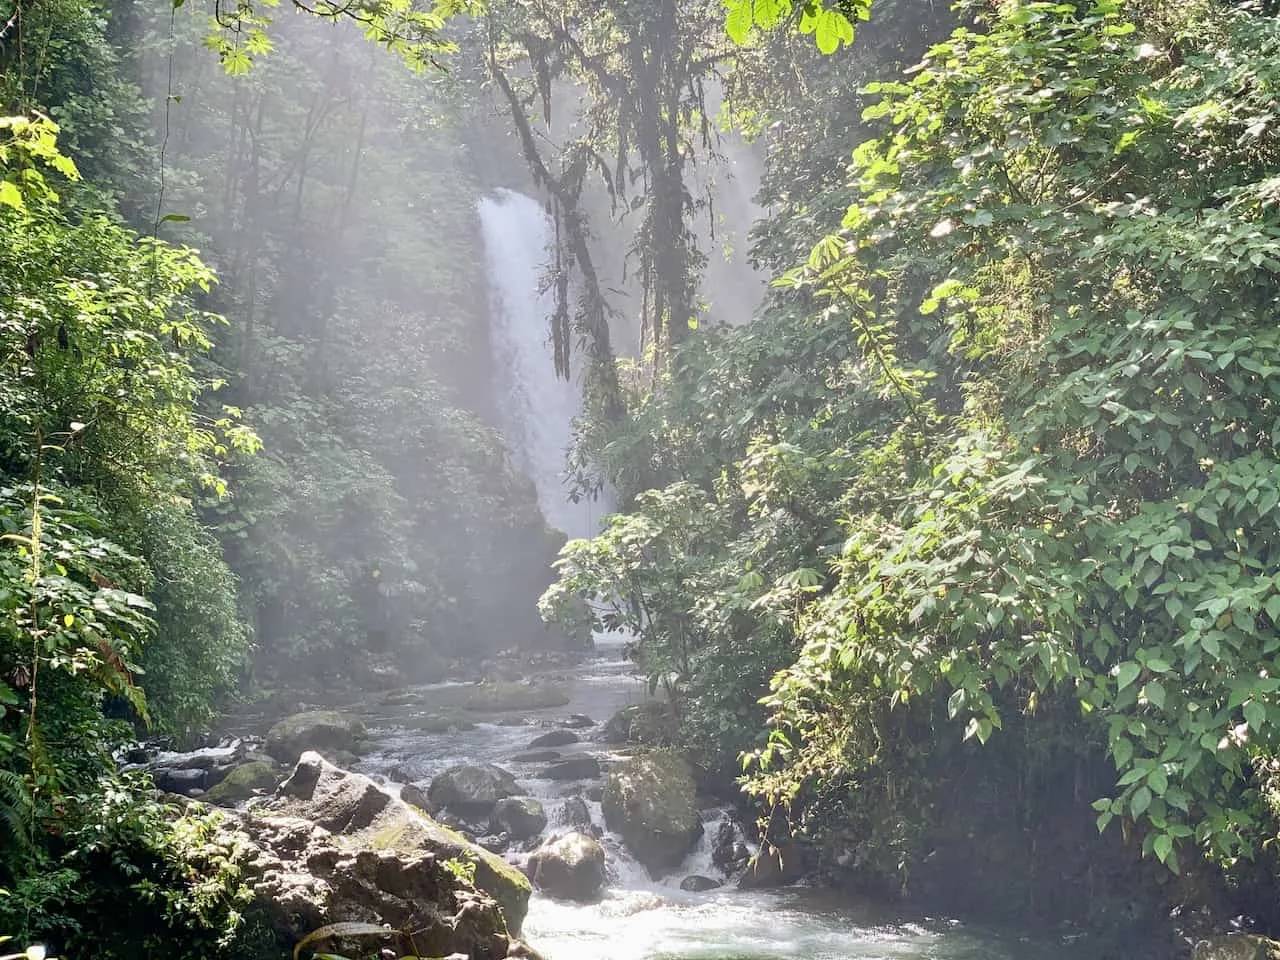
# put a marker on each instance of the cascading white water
(537, 407)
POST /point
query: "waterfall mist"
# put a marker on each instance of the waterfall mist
(536, 407)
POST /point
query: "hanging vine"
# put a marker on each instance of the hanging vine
(643, 66)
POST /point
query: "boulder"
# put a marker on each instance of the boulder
(697, 884)
(728, 852)
(574, 813)
(651, 722)
(555, 738)
(1236, 946)
(776, 865)
(322, 730)
(650, 801)
(494, 842)
(414, 795)
(519, 817)
(577, 721)
(243, 782)
(570, 867)
(303, 878)
(180, 780)
(471, 787)
(362, 817)
(577, 768)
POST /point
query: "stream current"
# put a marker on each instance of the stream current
(642, 919)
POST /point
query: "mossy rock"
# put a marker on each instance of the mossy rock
(651, 800)
(1236, 946)
(651, 722)
(407, 833)
(364, 817)
(324, 731)
(243, 782)
(520, 817)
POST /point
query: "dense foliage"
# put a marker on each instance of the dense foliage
(972, 525)
(1001, 441)
(382, 527)
(108, 434)
(382, 521)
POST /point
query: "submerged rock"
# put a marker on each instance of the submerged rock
(555, 738)
(504, 696)
(471, 787)
(577, 768)
(519, 817)
(243, 782)
(650, 800)
(697, 884)
(1236, 946)
(362, 817)
(325, 731)
(570, 867)
(537, 756)
(574, 813)
(439, 723)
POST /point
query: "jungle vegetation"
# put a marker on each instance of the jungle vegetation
(983, 502)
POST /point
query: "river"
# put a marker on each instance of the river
(638, 918)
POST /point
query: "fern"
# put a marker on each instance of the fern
(17, 810)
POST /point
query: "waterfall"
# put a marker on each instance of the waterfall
(537, 408)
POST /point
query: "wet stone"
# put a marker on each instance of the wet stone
(579, 768)
(555, 738)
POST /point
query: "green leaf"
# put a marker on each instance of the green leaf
(1162, 846)
(1255, 714)
(1154, 693)
(1127, 673)
(1139, 802)
(11, 196)
(768, 13)
(1122, 751)
(737, 21)
(1158, 781)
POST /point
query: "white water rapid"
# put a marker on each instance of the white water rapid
(537, 407)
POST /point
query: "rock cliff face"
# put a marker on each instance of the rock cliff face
(332, 847)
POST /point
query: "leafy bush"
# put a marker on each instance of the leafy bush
(126, 877)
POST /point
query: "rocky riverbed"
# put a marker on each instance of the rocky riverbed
(628, 858)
